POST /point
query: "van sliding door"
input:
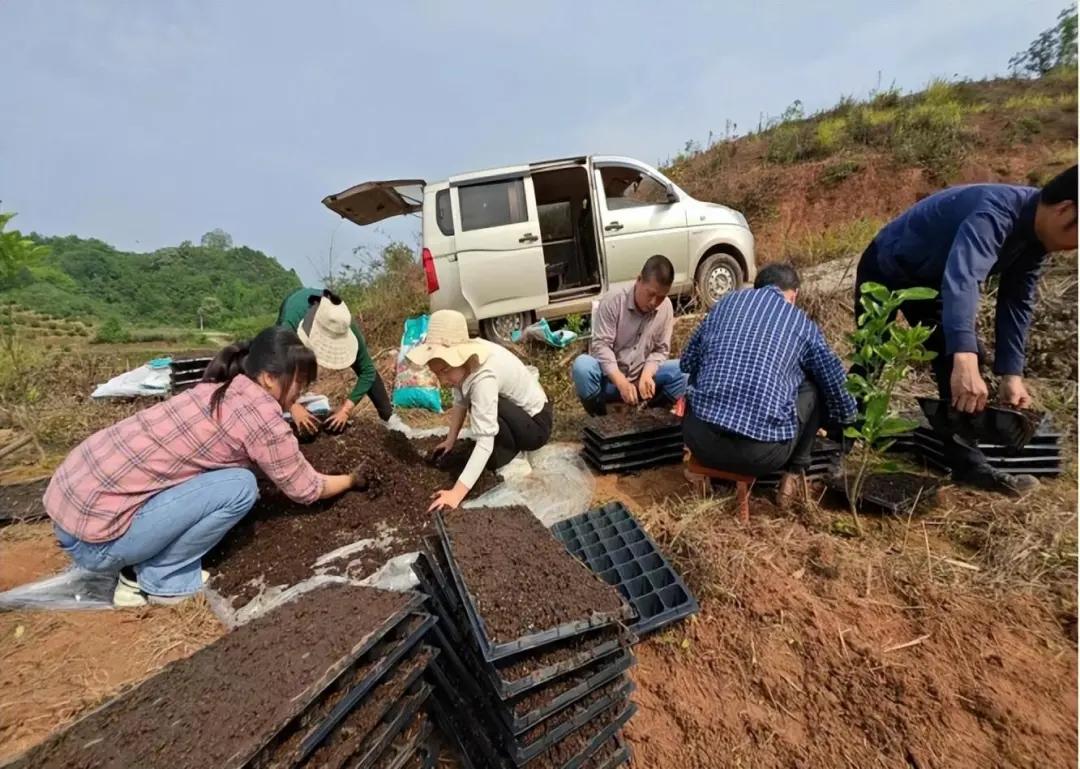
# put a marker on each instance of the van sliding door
(500, 256)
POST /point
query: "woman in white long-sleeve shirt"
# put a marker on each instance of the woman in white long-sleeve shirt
(508, 409)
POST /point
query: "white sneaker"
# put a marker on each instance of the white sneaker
(128, 594)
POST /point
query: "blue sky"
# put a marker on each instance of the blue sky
(148, 123)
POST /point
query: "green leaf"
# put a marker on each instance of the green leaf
(897, 426)
(917, 294)
(853, 433)
(889, 466)
(876, 290)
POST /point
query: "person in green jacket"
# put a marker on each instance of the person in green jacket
(325, 326)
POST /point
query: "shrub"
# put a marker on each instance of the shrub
(112, 332)
(831, 135)
(837, 242)
(789, 143)
(931, 135)
(835, 173)
(247, 328)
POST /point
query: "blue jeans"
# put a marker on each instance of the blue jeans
(171, 532)
(589, 379)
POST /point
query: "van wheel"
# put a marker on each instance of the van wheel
(500, 328)
(719, 274)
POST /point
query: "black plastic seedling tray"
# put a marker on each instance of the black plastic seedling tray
(439, 567)
(672, 457)
(609, 668)
(522, 754)
(450, 707)
(633, 452)
(424, 571)
(492, 651)
(416, 746)
(614, 545)
(456, 627)
(631, 444)
(619, 756)
(393, 724)
(872, 502)
(602, 737)
(601, 431)
(355, 695)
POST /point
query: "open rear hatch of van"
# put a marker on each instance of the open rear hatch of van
(372, 202)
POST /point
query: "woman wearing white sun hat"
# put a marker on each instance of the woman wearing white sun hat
(508, 409)
(325, 326)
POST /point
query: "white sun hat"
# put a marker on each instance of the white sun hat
(447, 339)
(329, 335)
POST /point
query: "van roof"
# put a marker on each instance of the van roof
(487, 173)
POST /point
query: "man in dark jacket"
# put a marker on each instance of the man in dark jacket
(953, 241)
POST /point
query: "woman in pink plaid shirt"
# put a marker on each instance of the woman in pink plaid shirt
(151, 495)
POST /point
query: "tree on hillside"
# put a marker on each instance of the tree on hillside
(217, 239)
(16, 253)
(209, 310)
(1055, 47)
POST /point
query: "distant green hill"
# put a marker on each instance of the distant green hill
(90, 280)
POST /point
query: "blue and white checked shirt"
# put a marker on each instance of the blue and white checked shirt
(746, 362)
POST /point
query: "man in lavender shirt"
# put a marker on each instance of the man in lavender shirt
(631, 341)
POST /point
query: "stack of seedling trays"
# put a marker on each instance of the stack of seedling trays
(634, 440)
(825, 458)
(1041, 456)
(185, 373)
(334, 678)
(533, 669)
(614, 545)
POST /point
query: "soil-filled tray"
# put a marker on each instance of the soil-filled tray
(357, 693)
(670, 457)
(520, 588)
(611, 542)
(311, 726)
(579, 747)
(281, 543)
(186, 715)
(637, 424)
(408, 747)
(524, 712)
(612, 754)
(511, 676)
(894, 493)
(22, 501)
(549, 733)
(358, 730)
(395, 722)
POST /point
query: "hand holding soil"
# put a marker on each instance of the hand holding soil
(448, 499)
(305, 421)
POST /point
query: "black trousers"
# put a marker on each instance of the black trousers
(519, 432)
(722, 450)
(380, 399)
(959, 456)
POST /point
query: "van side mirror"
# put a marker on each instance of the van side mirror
(671, 196)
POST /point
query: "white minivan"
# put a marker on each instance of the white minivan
(545, 240)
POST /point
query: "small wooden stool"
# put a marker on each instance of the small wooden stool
(742, 483)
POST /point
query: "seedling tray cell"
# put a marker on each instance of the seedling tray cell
(363, 688)
(522, 754)
(611, 668)
(492, 651)
(614, 545)
(402, 754)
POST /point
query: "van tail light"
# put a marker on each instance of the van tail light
(429, 271)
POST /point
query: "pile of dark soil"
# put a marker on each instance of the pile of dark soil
(279, 541)
(522, 578)
(22, 501)
(222, 704)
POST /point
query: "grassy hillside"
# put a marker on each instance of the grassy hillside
(817, 188)
(89, 280)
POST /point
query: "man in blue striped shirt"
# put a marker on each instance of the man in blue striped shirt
(762, 378)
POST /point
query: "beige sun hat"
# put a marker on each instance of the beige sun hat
(447, 339)
(330, 335)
